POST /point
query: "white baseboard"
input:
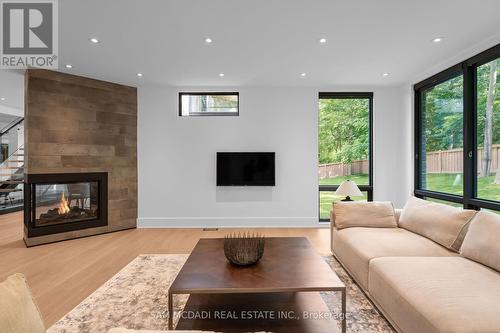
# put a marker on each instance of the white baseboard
(230, 222)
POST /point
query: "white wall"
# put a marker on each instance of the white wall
(177, 157)
(393, 145)
(12, 111)
(12, 89)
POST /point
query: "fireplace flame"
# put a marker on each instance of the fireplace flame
(63, 207)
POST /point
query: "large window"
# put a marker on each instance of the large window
(345, 146)
(442, 136)
(208, 104)
(488, 130)
(457, 134)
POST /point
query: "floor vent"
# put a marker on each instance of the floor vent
(210, 229)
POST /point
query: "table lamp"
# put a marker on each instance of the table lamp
(349, 189)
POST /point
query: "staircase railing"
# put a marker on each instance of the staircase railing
(11, 167)
(9, 140)
(11, 125)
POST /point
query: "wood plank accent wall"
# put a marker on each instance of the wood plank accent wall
(77, 124)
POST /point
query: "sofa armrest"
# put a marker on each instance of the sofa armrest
(397, 214)
(333, 228)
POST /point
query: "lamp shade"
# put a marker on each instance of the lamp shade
(348, 188)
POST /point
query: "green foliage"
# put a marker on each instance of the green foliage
(344, 125)
(444, 182)
(443, 112)
(343, 130)
(443, 115)
(222, 101)
(483, 74)
(441, 182)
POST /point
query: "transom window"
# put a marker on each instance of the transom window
(208, 104)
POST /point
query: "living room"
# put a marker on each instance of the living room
(191, 165)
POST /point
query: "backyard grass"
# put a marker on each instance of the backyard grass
(447, 183)
(358, 179)
(326, 198)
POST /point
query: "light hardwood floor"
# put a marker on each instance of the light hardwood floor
(62, 274)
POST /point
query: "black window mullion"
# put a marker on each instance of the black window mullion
(417, 140)
(370, 147)
(470, 158)
(331, 188)
(469, 130)
(420, 156)
(439, 195)
(363, 188)
(481, 203)
(205, 96)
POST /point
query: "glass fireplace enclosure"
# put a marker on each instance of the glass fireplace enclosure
(65, 202)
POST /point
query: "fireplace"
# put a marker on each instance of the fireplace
(61, 202)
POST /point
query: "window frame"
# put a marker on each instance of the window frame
(467, 68)
(363, 188)
(205, 114)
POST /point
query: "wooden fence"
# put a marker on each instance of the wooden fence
(451, 161)
(445, 161)
(331, 170)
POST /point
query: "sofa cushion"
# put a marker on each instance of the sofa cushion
(443, 224)
(377, 214)
(397, 214)
(355, 247)
(18, 312)
(482, 243)
(431, 294)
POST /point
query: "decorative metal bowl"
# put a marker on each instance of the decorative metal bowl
(244, 249)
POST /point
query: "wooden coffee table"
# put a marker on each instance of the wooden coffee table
(280, 293)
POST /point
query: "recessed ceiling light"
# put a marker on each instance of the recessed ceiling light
(69, 66)
(322, 40)
(437, 39)
(385, 74)
(221, 74)
(208, 40)
(2, 99)
(94, 40)
(303, 74)
(139, 74)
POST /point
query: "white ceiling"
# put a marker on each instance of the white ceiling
(270, 42)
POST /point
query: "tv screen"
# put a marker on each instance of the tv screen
(245, 169)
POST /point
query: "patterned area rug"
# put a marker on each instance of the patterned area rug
(362, 315)
(136, 298)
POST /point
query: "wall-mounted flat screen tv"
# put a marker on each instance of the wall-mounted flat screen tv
(245, 169)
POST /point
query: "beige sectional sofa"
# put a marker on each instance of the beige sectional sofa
(418, 270)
